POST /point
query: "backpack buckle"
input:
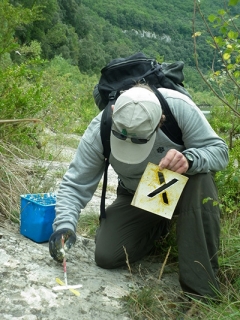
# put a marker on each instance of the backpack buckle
(112, 95)
(142, 81)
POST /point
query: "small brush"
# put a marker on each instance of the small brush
(64, 263)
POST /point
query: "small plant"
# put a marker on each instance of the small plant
(142, 304)
(88, 224)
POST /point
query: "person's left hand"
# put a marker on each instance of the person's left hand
(175, 161)
(55, 243)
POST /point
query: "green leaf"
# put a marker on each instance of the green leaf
(236, 74)
(230, 66)
(215, 203)
(212, 18)
(221, 12)
(233, 2)
(235, 179)
(197, 34)
(232, 35)
(223, 30)
(205, 200)
(219, 41)
(226, 56)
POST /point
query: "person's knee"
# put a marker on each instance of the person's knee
(103, 257)
(110, 257)
(104, 260)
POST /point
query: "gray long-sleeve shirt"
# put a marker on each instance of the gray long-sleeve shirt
(209, 151)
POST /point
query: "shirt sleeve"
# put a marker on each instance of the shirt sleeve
(81, 179)
(209, 151)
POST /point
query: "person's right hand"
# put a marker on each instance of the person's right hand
(55, 243)
(174, 160)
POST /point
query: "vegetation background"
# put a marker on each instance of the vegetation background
(51, 54)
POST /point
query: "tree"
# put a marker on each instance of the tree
(12, 18)
(20, 78)
(223, 80)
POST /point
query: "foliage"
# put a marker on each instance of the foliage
(10, 19)
(18, 177)
(204, 99)
(20, 85)
(89, 33)
(21, 94)
(28, 91)
(226, 123)
(228, 182)
(224, 76)
(20, 90)
(153, 27)
(224, 82)
(71, 105)
(142, 304)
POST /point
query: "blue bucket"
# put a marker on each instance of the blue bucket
(37, 216)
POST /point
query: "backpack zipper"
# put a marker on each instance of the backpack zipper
(123, 63)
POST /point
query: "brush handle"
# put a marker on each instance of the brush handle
(65, 270)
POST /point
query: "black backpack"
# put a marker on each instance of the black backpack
(122, 74)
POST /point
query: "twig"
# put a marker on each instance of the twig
(12, 121)
(224, 101)
(127, 261)
(164, 263)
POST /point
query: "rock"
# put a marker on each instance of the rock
(28, 275)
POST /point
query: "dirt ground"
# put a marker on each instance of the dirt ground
(28, 275)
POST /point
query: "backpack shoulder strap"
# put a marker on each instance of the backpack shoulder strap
(105, 130)
(170, 126)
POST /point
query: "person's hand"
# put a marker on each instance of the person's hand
(55, 243)
(175, 161)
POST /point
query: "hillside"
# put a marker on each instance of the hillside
(157, 28)
(90, 33)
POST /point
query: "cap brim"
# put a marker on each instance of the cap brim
(128, 152)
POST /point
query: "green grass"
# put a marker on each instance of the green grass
(88, 224)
